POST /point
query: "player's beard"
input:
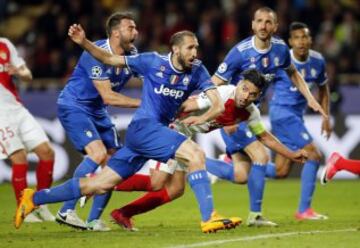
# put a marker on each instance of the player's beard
(125, 44)
(182, 62)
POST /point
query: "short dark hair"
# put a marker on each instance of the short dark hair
(178, 37)
(115, 19)
(269, 10)
(298, 25)
(255, 77)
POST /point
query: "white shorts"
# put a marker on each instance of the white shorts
(19, 130)
(170, 167)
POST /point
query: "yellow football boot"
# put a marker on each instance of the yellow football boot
(26, 206)
(218, 222)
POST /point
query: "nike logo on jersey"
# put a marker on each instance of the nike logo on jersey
(165, 91)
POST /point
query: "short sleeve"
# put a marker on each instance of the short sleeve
(230, 66)
(203, 79)
(286, 58)
(94, 69)
(15, 59)
(203, 101)
(255, 123)
(140, 63)
(322, 77)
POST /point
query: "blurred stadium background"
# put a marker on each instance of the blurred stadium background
(39, 30)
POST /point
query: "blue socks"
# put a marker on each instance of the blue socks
(270, 170)
(220, 169)
(98, 206)
(308, 179)
(85, 167)
(256, 184)
(200, 185)
(64, 192)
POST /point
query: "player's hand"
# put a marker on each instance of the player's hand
(317, 108)
(299, 156)
(326, 129)
(77, 33)
(193, 120)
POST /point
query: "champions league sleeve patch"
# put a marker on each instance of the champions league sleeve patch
(96, 71)
(222, 67)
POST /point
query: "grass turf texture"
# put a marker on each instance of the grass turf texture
(177, 224)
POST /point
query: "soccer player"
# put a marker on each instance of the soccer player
(82, 112)
(270, 55)
(19, 131)
(168, 81)
(338, 163)
(287, 108)
(239, 107)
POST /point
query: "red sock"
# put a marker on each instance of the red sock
(146, 203)
(136, 182)
(349, 165)
(18, 179)
(44, 173)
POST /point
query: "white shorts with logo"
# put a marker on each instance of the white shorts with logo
(19, 130)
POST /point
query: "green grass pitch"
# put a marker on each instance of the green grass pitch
(177, 224)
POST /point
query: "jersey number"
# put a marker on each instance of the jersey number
(6, 133)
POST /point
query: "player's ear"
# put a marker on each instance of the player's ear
(175, 49)
(276, 26)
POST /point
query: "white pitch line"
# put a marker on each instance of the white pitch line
(262, 236)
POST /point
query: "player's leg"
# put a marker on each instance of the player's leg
(153, 140)
(282, 165)
(174, 188)
(100, 202)
(44, 176)
(308, 182)
(81, 130)
(336, 163)
(256, 183)
(191, 155)
(118, 169)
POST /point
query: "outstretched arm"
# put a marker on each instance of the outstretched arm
(274, 144)
(77, 34)
(299, 82)
(324, 97)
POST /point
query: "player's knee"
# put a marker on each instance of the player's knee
(261, 158)
(175, 191)
(240, 178)
(315, 155)
(197, 158)
(282, 174)
(48, 153)
(157, 185)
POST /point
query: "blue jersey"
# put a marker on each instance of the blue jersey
(80, 90)
(271, 62)
(313, 71)
(165, 88)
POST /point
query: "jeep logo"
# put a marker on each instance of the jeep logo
(169, 92)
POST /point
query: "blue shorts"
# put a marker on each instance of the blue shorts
(82, 128)
(289, 128)
(236, 142)
(145, 139)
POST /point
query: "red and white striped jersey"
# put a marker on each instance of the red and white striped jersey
(9, 55)
(231, 115)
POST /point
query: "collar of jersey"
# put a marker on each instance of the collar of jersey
(108, 44)
(297, 61)
(172, 66)
(258, 50)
